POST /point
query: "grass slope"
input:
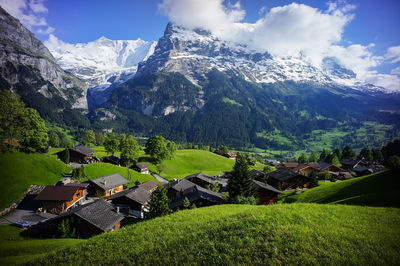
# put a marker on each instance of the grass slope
(102, 169)
(19, 170)
(187, 162)
(380, 189)
(15, 249)
(238, 234)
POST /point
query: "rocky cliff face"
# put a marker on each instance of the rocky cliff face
(26, 64)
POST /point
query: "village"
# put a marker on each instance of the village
(70, 208)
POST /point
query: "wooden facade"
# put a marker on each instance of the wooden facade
(58, 207)
(109, 192)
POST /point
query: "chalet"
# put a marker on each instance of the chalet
(107, 185)
(349, 164)
(58, 199)
(134, 201)
(362, 170)
(257, 175)
(229, 155)
(91, 219)
(198, 196)
(286, 179)
(323, 166)
(266, 193)
(142, 168)
(176, 188)
(149, 186)
(203, 180)
(288, 165)
(112, 159)
(79, 154)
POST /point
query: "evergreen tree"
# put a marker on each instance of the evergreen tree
(240, 184)
(324, 155)
(223, 148)
(393, 163)
(158, 205)
(377, 155)
(302, 158)
(338, 153)
(66, 157)
(186, 203)
(348, 153)
(366, 153)
(335, 160)
(89, 137)
(313, 158)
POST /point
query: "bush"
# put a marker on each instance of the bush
(244, 200)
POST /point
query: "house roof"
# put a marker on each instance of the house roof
(82, 149)
(81, 185)
(110, 181)
(196, 192)
(349, 162)
(142, 165)
(256, 173)
(57, 193)
(202, 176)
(100, 213)
(149, 185)
(180, 185)
(282, 174)
(137, 194)
(290, 165)
(112, 158)
(265, 186)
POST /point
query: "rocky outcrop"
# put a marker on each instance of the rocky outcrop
(26, 62)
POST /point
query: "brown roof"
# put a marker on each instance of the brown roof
(290, 165)
(231, 154)
(149, 185)
(57, 193)
(142, 165)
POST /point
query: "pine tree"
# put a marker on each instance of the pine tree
(240, 184)
(158, 205)
(313, 158)
(302, 158)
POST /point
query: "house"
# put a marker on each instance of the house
(349, 164)
(271, 162)
(58, 199)
(176, 188)
(267, 194)
(198, 196)
(142, 168)
(229, 155)
(107, 185)
(203, 180)
(79, 154)
(288, 165)
(91, 219)
(323, 166)
(305, 169)
(112, 159)
(362, 170)
(286, 179)
(133, 200)
(258, 175)
(149, 186)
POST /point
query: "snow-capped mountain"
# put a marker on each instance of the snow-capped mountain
(195, 52)
(104, 61)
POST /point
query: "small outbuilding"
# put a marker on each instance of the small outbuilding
(142, 168)
(112, 159)
(267, 194)
(285, 179)
(79, 154)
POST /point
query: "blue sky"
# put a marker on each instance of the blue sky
(367, 28)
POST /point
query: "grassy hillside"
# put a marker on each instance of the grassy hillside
(102, 169)
(381, 189)
(238, 234)
(19, 170)
(15, 249)
(186, 162)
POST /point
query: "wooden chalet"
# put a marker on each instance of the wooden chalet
(349, 164)
(198, 196)
(362, 170)
(142, 168)
(112, 159)
(323, 166)
(176, 188)
(149, 186)
(58, 199)
(258, 175)
(286, 179)
(229, 155)
(88, 220)
(133, 201)
(79, 154)
(203, 180)
(267, 194)
(107, 185)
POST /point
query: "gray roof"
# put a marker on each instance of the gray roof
(195, 193)
(256, 173)
(323, 165)
(180, 185)
(100, 213)
(265, 186)
(282, 174)
(83, 149)
(110, 181)
(207, 178)
(137, 194)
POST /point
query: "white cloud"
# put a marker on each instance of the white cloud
(292, 29)
(393, 54)
(395, 71)
(30, 13)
